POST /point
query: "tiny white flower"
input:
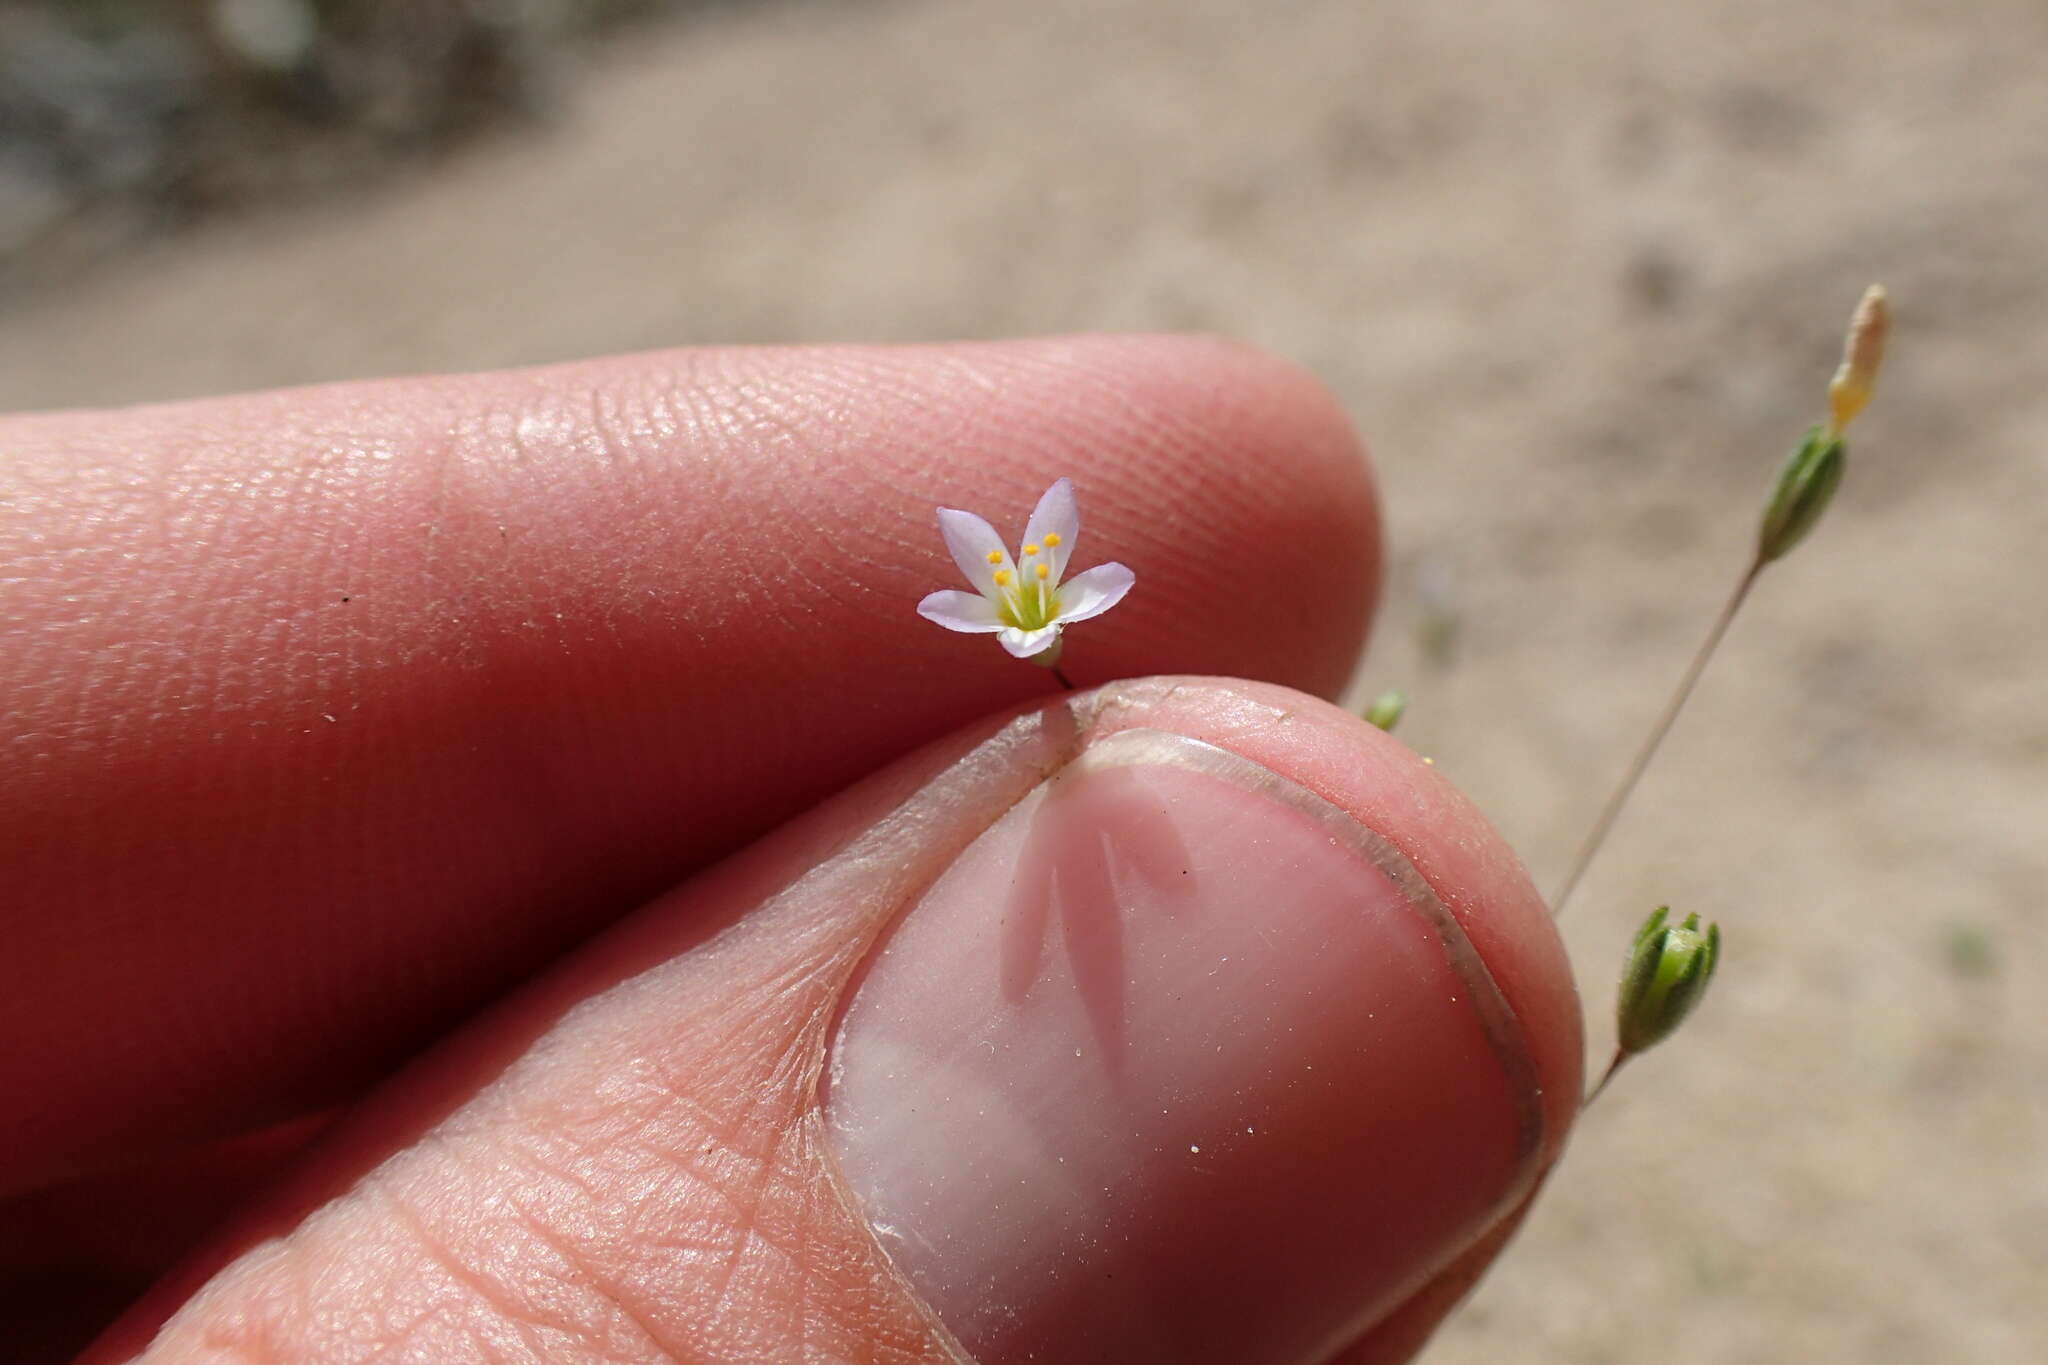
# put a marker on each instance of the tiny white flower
(1027, 600)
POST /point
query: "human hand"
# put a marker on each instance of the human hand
(1137, 1023)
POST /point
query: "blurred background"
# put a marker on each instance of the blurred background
(1578, 269)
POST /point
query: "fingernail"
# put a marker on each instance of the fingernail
(1177, 1062)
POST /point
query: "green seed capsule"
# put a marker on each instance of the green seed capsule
(1805, 484)
(1386, 709)
(1667, 972)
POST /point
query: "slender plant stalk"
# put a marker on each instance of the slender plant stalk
(1064, 680)
(1605, 1076)
(1669, 965)
(1604, 824)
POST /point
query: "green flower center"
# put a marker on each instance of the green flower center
(1029, 606)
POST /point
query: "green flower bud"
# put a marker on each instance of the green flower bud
(1805, 484)
(1667, 972)
(1386, 709)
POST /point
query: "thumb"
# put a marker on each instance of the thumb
(1184, 1020)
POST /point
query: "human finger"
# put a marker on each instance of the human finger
(330, 713)
(1185, 1020)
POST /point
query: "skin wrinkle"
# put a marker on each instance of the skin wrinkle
(692, 408)
(747, 1199)
(510, 548)
(967, 426)
(439, 1256)
(454, 1265)
(414, 1345)
(613, 1305)
(192, 681)
(838, 403)
(739, 418)
(750, 1237)
(486, 483)
(114, 517)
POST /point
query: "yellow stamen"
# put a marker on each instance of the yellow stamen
(1052, 538)
(1042, 570)
(1002, 578)
(1030, 550)
(995, 556)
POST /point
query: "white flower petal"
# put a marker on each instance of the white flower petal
(1057, 514)
(1025, 643)
(1094, 592)
(971, 540)
(963, 611)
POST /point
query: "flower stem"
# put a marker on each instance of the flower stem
(1064, 680)
(1605, 1077)
(1604, 824)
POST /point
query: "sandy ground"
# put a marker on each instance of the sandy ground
(1579, 270)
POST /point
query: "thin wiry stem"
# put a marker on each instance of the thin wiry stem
(1605, 1077)
(1604, 824)
(1064, 680)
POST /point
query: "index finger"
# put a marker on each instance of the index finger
(332, 712)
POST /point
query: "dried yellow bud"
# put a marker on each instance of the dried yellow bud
(1862, 353)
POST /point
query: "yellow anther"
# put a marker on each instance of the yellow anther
(1052, 538)
(995, 556)
(1030, 549)
(1042, 570)
(1002, 578)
